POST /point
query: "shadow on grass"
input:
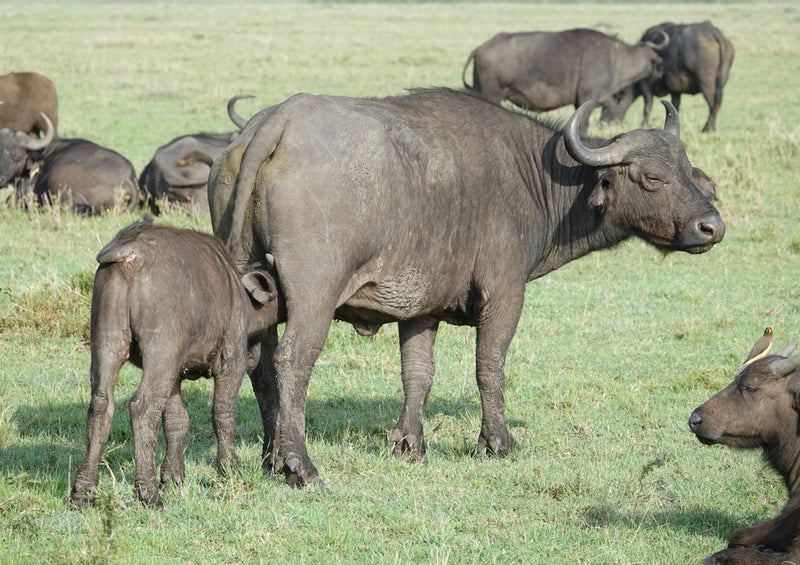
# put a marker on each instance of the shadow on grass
(53, 436)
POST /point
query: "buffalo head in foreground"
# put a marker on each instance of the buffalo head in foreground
(759, 410)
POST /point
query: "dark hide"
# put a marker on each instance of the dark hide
(544, 70)
(170, 301)
(759, 410)
(435, 206)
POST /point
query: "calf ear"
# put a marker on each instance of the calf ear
(603, 187)
(260, 285)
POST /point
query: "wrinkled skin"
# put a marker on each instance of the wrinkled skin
(698, 59)
(171, 302)
(759, 410)
(25, 96)
(433, 207)
(547, 70)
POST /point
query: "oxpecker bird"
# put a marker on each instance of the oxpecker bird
(761, 348)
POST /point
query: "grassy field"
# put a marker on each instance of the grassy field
(612, 353)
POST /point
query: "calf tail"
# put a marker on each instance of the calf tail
(464, 71)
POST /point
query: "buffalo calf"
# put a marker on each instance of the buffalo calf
(760, 409)
(172, 302)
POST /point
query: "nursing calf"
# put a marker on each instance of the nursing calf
(172, 302)
(760, 409)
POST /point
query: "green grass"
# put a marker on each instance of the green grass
(612, 353)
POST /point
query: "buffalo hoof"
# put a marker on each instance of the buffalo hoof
(749, 556)
(408, 446)
(300, 471)
(495, 444)
(149, 496)
(81, 499)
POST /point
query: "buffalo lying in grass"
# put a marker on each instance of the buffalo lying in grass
(760, 410)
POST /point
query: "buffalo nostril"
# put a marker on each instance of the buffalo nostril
(712, 228)
(695, 421)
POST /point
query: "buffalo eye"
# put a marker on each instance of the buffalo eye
(653, 183)
(750, 389)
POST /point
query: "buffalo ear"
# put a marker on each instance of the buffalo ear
(604, 186)
(705, 184)
(260, 285)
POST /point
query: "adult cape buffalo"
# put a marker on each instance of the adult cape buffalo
(24, 97)
(697, 59)
(544, 70)
(434, 206)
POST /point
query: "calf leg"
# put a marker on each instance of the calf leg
(111, 340)
(417, 339)
(223, 413)
(496, 327)
(159, 378)
(106, 363)
(175, 421)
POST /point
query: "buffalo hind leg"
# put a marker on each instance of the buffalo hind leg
(175, 421)
(496, 327)
(303, 337)
(417, 338)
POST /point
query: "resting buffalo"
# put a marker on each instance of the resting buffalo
(89, 178)
(24, 97)
(178, 172)
(170, 301)
(546, 70)
(759, 409)
(697, 59)
(435, 206)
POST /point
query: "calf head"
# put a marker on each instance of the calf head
(15, 147)
(759, 409)
(646, 185)
(268, 306)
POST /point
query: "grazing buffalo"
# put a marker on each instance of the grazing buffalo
(435, 206)
(171, 301)
(760, 409)
(698, 59)
(545, 70)
(178, 172)
(88, 178)
(24, 97)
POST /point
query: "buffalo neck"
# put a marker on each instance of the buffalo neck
(574, 227)
(784, 457)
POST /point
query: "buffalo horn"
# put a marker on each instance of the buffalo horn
(36, 144)
(659, 46)
(236, 118)
(672, 123)
(782, 367)
(614, 154)
(787, 349)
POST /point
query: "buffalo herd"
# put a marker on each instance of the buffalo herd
(375, 211)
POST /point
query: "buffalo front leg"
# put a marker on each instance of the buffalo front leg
(223, 414)
(299, 347)
(265, 389)
(496, 327)
(417, 338)
(175, 421)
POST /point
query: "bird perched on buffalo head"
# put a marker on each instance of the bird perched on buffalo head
(761, 348)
